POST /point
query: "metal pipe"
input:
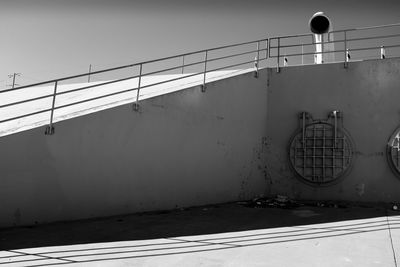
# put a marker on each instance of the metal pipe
(25, 101)
(342, 50)
(90, 70)
(319, 25)
(304, 130)
(136, 104)
(26, 115)
(50, 127)
(256, 62)
(122, 92)
(335, 125)
(136, 64)
(203, 87)
(183, 63)
(277, 59)
(195, 52)
(345, 49)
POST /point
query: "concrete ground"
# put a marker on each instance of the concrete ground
(218, 235)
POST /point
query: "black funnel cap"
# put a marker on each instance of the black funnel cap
(319, 23)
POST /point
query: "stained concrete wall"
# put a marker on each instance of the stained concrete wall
(190, 148)
(182, 149)
(367, 93)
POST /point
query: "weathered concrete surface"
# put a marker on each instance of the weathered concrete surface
(367, 93)
(185, 148)
(190, 148)
(218, 235)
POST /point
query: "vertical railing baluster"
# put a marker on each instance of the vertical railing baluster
(345, 50)
(136, 104)
(183, 63)
(322, 48)
(277, 58)
(90, 70)
(50, 127)
(267, 52)
(257, 59)
(203, 87)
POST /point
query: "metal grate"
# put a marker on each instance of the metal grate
(321, 152)
(393, 151)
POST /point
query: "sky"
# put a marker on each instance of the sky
(46, 39)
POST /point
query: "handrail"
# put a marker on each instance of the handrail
(373, 41)
(240, 54)
(131, 65)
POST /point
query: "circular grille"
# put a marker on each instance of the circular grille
(393, 151)
(320, 154)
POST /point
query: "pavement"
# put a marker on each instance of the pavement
(216, 235)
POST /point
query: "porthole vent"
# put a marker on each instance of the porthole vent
(393, 152)
(321, 152)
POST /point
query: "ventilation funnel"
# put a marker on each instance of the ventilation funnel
(319, 23)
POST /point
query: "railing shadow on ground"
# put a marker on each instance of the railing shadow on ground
(181, 232)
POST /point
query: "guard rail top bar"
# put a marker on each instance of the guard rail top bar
(249, 55)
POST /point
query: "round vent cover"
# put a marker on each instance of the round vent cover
(320, 152)
(393, 151)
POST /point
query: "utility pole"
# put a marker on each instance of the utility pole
(90, 70)
(13, 77)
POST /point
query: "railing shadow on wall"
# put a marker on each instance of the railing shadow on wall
(45, 98)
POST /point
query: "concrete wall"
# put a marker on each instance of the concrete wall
(190, 148)
(182, 149)
(368, 95)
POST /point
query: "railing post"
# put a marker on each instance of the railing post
(277, 58)
(345, 50)
(136, 104)
(322, 48)
(90, 70)
(257, 59)
(50, 127)
(183, 63)
(203, 87)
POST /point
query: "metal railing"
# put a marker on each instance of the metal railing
(338, 46)
(211, 60)
(248, 55)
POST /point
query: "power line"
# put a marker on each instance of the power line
(13, 77)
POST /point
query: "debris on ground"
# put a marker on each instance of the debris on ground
(328, 204)
(279, 201)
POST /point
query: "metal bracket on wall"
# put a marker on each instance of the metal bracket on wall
(49, 130)
(135, 106)
(256, 74)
